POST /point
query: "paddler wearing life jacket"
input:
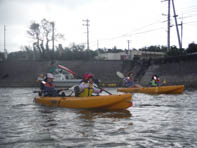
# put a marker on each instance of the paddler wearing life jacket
(129, 81)
(87, 88)
(155, 80)
(49, 87)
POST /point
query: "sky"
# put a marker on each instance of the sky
(111, 22)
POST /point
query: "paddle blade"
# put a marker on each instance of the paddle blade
(67, 69)
(120, 75)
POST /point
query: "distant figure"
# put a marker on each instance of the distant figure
(164, 82)
(41, 80)
(86, 88)
(155, 80)
(129, 81)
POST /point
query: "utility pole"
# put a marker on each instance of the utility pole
(129, 52)
(129, 41)
(182, 31)
(97, 44)
(181, 24)
(168, 40)
(181, 34)
(5, 50)
(168, 24)
(53, 35)
(87, 25)
(177, 29)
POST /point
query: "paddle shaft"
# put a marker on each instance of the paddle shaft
(103, 90)
(107, 92)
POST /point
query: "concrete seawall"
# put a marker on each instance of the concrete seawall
(25, 73)
(176, 70)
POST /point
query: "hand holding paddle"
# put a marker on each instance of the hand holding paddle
(69, 70)
(103, 90)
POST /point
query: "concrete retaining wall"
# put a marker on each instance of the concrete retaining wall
(176, 70)
(25, 73)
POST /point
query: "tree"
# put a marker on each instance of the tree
(44, 33)
(174, 51)
(192, 48)
(154, 49)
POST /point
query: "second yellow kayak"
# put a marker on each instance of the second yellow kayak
(173, 89)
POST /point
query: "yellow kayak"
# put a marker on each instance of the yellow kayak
(108, 102)
(174, 89)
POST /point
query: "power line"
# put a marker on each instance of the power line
(151, 24)
(189, 8)
(150, 30)
(135, 32)
(191, 22)
(138, 33)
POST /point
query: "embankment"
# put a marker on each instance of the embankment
(25, 73)
(175, 70)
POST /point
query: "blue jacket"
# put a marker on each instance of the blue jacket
(49, 90)
(128, 82)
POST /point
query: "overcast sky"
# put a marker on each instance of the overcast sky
(112, 22)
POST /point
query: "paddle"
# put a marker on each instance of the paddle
(74, 73)
(67, 69)
(103, 90)
(120, 75)
(26, 93)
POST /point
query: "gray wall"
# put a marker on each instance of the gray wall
(25, 73)
(176, 70)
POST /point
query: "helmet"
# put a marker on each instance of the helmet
(49, 75)
(130, 73)
(154, 77)
(87, 76)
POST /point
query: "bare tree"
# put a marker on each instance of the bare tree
(44, 33)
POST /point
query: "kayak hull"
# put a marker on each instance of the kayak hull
(173, 89)
(109, 102)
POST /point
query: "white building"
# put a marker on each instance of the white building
(130, 55)
(111, 56)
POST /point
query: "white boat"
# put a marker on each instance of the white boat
(65, 80)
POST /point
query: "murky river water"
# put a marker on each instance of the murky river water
(157, 121)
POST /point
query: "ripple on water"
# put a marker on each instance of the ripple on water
(153, 121)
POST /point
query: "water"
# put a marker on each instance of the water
(157, 121)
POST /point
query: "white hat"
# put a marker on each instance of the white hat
(49, 75)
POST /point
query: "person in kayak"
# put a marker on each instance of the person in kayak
(49, 87)
(41, 80)
(129, 81)
(155, 81)
(86, 87)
